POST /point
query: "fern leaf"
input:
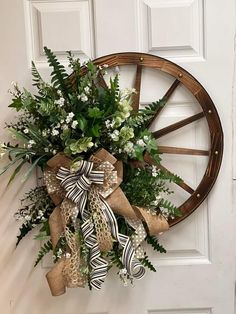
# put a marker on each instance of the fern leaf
(45, 248)
(59, 75)
(37, 79)
(24, 230)
(153, 241)
(145, 261)
(172, 209)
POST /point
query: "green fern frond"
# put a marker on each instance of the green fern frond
(45, 248)
(59, 75)
(153, 241)
(145, 261)
(24, 230)
(172, 209)
(143, 116)
(37, 79)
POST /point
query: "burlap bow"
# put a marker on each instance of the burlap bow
(91, 189)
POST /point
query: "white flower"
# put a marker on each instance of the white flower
(74, 124)
(145, 138)
(64, 127)
(55, 132)
(115, 135)
(59, 253)
(46, 149)
(68, 255)
(109, 124)
(31, 143)
(141, 143)
(84, 98)
(86, 89)
(69, 117)
(155, 171)
(54, 152)
(123, 271)
(26, 131)
(28, 217)
(129, 147)
(44, 133)
(105, 65)
(60, 102)
(40, 213)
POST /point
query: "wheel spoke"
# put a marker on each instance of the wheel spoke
(177, 125)
(137, 86)
(181, 184)
(182, 151)
(101, 80)
(165, 98)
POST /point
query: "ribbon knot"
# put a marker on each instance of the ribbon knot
(77, 184)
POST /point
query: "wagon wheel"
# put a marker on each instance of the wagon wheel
(208, 112)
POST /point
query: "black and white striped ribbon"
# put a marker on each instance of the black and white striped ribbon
(77, 186)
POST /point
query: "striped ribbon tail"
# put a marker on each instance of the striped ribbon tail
(133, 266)
(98, 264)
(77, 187)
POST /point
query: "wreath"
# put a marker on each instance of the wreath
(98, 201)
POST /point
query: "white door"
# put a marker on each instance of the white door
(197, 275)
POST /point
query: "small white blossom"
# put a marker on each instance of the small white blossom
(145, 138)
(60, 102)
(129, 147)
(26, 130)
(69, 117)
(74, 124)
(68, 255)
(115, 135)
(44, 133)
(65, 127)
(105, 65)
(27, 217)
(141, 143)
(155, 171)
(54, 152)
(55, 132)
(31, 143)
(59, 253)
(46, 149)
(84, 98)
(86, 89)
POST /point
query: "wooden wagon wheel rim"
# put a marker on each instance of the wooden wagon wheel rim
(209, 111)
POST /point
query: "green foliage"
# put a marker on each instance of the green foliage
(45, 249)
(59, 77)
(153, 241)
(36, 208)
(115, 256)
(143, 116)
(24, 230)
(146, 262)
(171, 208)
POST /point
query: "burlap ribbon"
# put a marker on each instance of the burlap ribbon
(91, 188)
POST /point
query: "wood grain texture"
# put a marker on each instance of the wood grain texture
(175, 126)
(182, 151)
(137, 86)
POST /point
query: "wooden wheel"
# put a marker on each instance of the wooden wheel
(208, 112)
